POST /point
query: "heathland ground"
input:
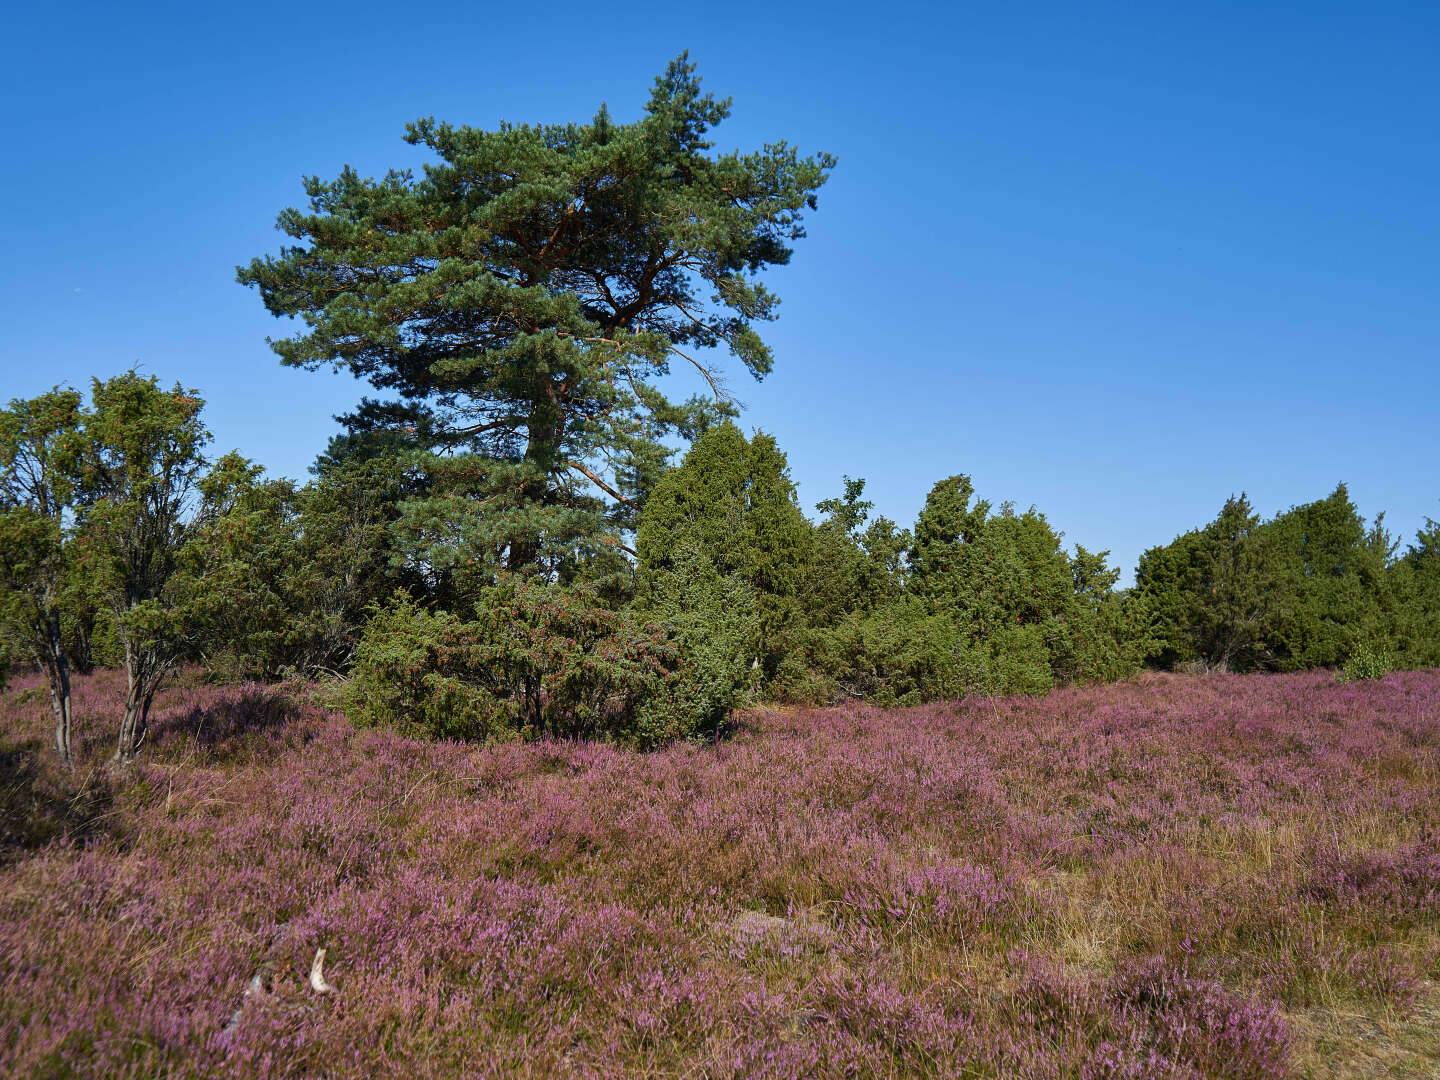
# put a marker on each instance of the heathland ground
(1174, 876)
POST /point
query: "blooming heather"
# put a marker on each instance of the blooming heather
(1171, 877)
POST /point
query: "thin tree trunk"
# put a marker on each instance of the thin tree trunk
(142, 676)
(532, 700)
(125, 749)
(82, 657)
(546, 427)
(57, 673)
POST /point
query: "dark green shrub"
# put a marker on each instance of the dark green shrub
(714, 622)
(898, 654)
(537, 659)
(733, 500)
(424, 672)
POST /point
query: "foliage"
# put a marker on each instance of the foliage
(853, 567)
(1106, 634)
(1330, 570)
(1414, 582)
(283, 575)
(732, 500)
(536, 659)
(974, 603)
(1238, 583)
(240, 566)
(1367, 661)
(570, 666)
(456, 533)
(1213, 591)
(349, 518)
(902, 653)
(714, 622)
(523, 297)
(87, 624)
(1302, 590)
(732, 591)
(424, 672)
(1028, 614)
(140, 469)
(1167, 582)
(39, 449)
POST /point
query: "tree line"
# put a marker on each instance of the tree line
(122, 545)
(501, 544)
(1314, 586)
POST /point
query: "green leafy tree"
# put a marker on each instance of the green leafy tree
(39, 452)
(1305, 589)
(859, 640)
(241, 567)
(351, 518)
(731, 498)
(1216, 592)
(1238, 596)
(523, 297)
(901, 653)
(854, 566)
(1106, 634)
(976, 601)
(86, 624)
(1168, 584)
(141, 466)
(426, 672)
(1000, 577)
(280, 577)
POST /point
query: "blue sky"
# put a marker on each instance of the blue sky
(1118, 261)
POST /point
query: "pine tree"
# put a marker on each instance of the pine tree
(524, 295)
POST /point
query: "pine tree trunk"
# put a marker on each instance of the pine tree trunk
(533, 704)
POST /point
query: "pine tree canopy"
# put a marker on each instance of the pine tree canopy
(525, 294)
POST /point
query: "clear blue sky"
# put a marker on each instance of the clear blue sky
(1118, 261)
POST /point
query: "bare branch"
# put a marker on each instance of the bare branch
(577, 337)
(615, 541)
(601, 484)
(720, 398)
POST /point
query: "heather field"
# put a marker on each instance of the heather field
(1233, 876)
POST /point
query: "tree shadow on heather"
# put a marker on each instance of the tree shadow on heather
(41, 803)
(236, 723)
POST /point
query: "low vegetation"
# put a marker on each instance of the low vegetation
(1227, 876)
